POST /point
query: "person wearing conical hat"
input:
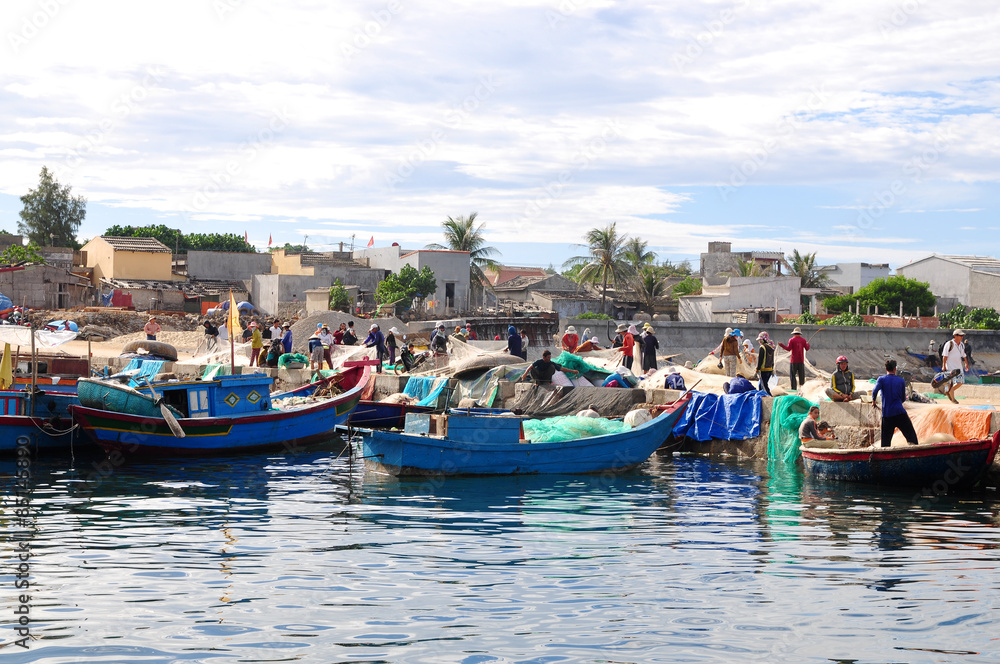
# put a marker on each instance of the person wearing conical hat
(619, 336)
(650, 345)
(797, 346)
(570, 340)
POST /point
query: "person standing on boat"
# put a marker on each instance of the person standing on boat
(894, 416)
(797, 346)
(513, 342)
(286, 338)
(953, 357)
(376, 340)
(765, 362)
(842, 383)
(151, 329)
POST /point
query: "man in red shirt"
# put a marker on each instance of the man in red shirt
(798, 346)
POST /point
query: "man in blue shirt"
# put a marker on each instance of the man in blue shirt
(893, 389)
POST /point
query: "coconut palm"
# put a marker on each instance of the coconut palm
(637, 253)
(649, 287)
(606, 262)
(462, 234)
(750, 268)
(804, 267)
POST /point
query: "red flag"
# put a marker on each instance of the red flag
(371, 242)
(269, 240)
(244, 236)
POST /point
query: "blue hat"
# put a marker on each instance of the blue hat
(511, 329)
(738, 332)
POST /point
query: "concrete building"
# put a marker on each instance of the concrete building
(128, 258)
(450, 268)
(971, 280)
(291, 275)
(853, 276)
(742, 300)
(568, 304)
(520, 288)
(505, 273)
(720, 259)
(226, 265)
(45, 287)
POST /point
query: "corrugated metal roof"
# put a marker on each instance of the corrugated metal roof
(145, 244)
(987, 263)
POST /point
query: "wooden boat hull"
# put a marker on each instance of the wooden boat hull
(51, 428)
(149, 435)
(380, 415)
(936, 466)
(403, 454)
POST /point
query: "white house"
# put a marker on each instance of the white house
(972, 280)
(742, 300)
(450, 268)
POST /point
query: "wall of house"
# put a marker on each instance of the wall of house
(290, 265)
(946, 279)
(984, 289)
(226, 265)
(39, 286)
(754, 292)
(694, 309)
(100, 257)
(447, 266)
(566, 307)
(144, 299)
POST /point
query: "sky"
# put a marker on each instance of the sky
(859, 130)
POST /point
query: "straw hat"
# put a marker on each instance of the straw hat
(622, 328)
(797, 331)
(570, 330)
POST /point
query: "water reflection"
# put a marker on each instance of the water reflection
(306, 557)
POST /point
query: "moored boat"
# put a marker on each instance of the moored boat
(228, 414)
(936, 466)
(493, 445)
(49, 425)
(383, 415)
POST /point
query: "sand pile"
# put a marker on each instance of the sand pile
(179, 340)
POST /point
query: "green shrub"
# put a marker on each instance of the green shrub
(590, 315)
(805, 319)
(847, 319)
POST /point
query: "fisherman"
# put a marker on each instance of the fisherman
(542, 371)
(513, 342)
(588, 345)
(649, 347)
(619, 337)
(256, 345)
(809, 429)
(525, 342)
(376, 340)
(406, 356)
(350, 336)
(570, 340)
(798, 346)
(894, 416)
(729, 353)
(842, 383)
(738, 385)
(674, 380)
(286, 337)
(274, 352)
(152, 328)
(952, 357)
(211, 336)
(628, 346)
(765, 362)
(315, 347)
(390, 344)
(329, 341)
(439, 344)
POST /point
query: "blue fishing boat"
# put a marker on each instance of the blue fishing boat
(48, 426)
(951, 466)
(382, 415)
(225, 415)
(494, 445)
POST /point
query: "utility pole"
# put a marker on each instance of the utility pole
(352, 243)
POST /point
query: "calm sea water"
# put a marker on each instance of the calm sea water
(306, 558)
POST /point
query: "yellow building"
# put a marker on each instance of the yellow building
(128, 258)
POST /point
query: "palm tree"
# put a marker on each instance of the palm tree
(637, 254)
(750, 268)
(462, 234)
(607, 260)
(804, 267)
(649, 287)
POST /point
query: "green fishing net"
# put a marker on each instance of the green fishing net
(570, 427)
(577, 363)
(787, 414)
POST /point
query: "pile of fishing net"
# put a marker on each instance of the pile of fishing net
(570, 427)
(787, 414)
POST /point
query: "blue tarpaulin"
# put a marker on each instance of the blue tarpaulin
(144, 370)
(720, 417)
(426, 390)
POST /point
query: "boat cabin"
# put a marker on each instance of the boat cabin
(47, 404)
(224, 396)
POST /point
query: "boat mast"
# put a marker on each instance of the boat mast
(34, 370)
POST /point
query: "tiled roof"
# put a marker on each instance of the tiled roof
(145, 244)
(508, 272)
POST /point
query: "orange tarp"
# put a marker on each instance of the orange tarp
(962, 423)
